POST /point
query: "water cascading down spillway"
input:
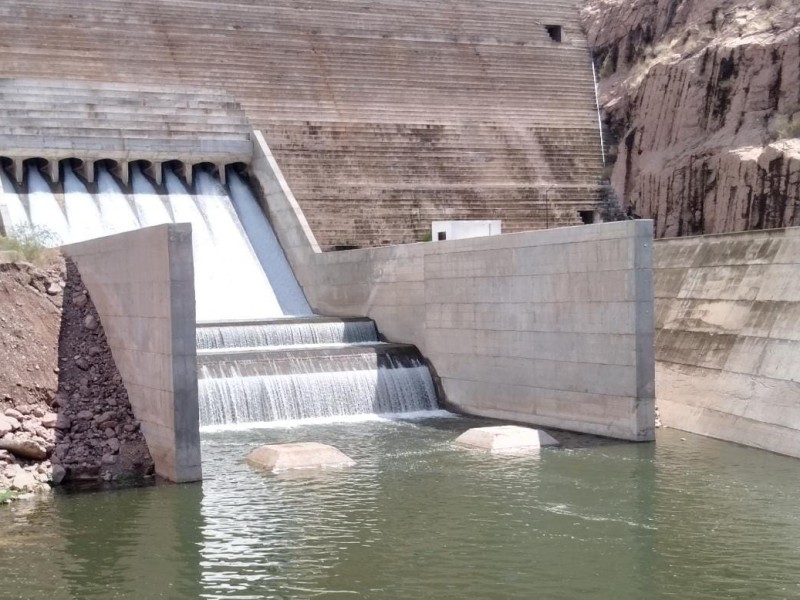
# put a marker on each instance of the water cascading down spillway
(263, 356)
(308, 368)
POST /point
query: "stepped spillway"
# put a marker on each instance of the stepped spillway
(306, 369)
(294, 332)
(262, 355)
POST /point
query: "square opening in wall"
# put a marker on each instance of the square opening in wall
(587, 216)
(555, 32)
(442, 235)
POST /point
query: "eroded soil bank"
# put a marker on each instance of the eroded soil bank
(64, 412)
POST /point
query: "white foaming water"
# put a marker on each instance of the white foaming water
(150, 206)
(117, 215)
(267, 248)
(296, 396)
(83, 214)
(230, 283)
(364, 418)
(286, 334)
(220, 243)
(10, 201)
(45, 211)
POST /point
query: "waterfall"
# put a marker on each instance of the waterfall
(83, 213)
(149, 204)
(232, 280)
(308, 368)
(44, 210)
(291, 333)
(11, 204)
(297, 396)
(116, 214)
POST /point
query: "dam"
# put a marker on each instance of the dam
(238, 197)
(262, 356)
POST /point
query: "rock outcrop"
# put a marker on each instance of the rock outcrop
(702, 100)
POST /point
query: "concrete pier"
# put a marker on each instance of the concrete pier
(142, 285)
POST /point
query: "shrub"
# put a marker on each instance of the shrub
(7, 496)
(782, 127)
(32, 242)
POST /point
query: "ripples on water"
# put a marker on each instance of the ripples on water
(419, 518)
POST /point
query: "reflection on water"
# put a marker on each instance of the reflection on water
(420, 518)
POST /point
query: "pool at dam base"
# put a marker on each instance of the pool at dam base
(417, 517)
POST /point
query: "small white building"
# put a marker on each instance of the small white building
(458, 230)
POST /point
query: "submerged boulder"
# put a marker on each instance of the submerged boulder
(305, 455)
(506, 438)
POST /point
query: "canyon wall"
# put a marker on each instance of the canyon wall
(701, 99)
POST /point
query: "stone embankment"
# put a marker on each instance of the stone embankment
(702, 99)
(64, 413)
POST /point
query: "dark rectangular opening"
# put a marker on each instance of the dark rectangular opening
(587, 216)
(441, 236)
(554, 31)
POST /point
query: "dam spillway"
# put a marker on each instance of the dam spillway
(306, 369)
(234, 278)
(263, 356)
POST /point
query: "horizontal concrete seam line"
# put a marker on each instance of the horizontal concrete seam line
(516, 275)
(530, 275)
(514, 416)
(501, 330)
(779, 232)
(472, 354)
(725, 334)
(529, 303)
(713, 266)
(522, 246)
(714, 370)
(546, 389)
(791, 430)
(546, 360)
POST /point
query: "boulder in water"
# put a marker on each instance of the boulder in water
(506, 438)
(305, 455)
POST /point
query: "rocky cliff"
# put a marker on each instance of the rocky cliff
(702, 103)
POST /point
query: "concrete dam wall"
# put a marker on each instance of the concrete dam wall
(728, 337)
(552, 327)
(383, 115)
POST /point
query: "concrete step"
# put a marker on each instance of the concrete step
(317, 359)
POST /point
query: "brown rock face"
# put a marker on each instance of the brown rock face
(702, 98)
(98, 435)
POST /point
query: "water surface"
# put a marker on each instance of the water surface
(687, 517)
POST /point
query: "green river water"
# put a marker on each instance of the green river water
(417, 517)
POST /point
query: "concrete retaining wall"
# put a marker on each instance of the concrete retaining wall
(728, 337)
(550, 327)
(142, 284)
